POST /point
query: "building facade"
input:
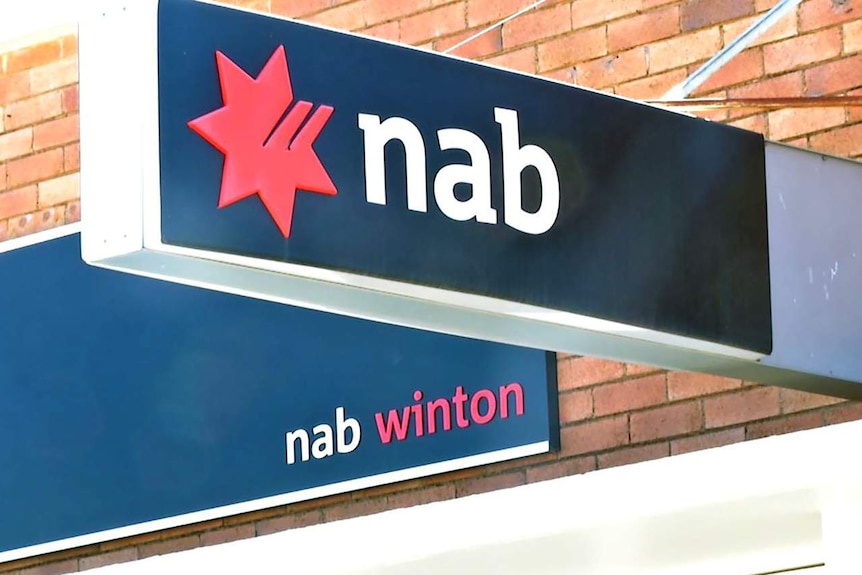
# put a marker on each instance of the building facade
(611, 414)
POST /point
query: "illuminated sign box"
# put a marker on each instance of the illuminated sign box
(293, 163)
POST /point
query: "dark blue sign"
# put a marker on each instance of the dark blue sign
(291, 143)
(125, 400)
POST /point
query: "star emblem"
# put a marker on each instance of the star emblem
(265, 139)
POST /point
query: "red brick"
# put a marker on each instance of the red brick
(70, 99)
(852, 34)
(824, 13)
(643, 29)
(422, 496)
(793, 400)
(294, 9)
(740, 407)
(629, 395)
(700, 13)
(169, 546)
(383, 10)
(716, 115)
(666, 421)
(4, 230)
(21, 226)
(564, 75)
(355, 509)
(756, 123)
(537, 25)
(788, 424)
(228, 534)
(259, 5)
(684, 384)
(638, 369)
(33, 56)
(2, 176)
(14, 87)
(843, 413)
(285, 522)
(55, 132)
(841, 142)
(491, 483)
(834, 77)
(575, 406)
(734, 114)
(593, 436)
(73, 212)
(579, 372)
(487, 12)
(707, 440)
(345, 17)
(744, 67)
(561, 468)
(434, 23)
(72, 158)
(783, 28)
(779, 86)
(387, 31)
(801, 50)
(683, 50)
(69, 45)
(59, 190)
(523, 60)
(590, 12)
(41, 166)
(487, 44)
(112, 558)
(54, 75)
(798, 142)
(16, 144)
(17, 202)
(52, 217)
(573, 48)
(632, 455)
(57, 568)
(33, 110)
(790, 123)
(612, 70)
(653, 86)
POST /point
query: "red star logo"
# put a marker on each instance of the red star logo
(266, 152)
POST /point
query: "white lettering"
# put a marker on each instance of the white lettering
(322, 446)
(290, 439)
(342, 425)
(515, 159)
(477, 174)
(376, 136)
(326, 441)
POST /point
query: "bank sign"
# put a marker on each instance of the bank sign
(313, 167)
(132, 405)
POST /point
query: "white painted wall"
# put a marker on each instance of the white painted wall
(24, 22)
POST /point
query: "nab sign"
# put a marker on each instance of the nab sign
(207, 405)
(303, 165)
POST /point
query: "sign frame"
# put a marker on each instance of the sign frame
(121, 217)
(544, 406)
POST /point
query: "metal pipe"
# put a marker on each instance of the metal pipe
(727, 53)
(769, 103)
(492, 26)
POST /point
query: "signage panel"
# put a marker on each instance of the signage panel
(131, 405)
(294, 163)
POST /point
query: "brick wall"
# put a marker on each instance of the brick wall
(611, 413)
(38, 138)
